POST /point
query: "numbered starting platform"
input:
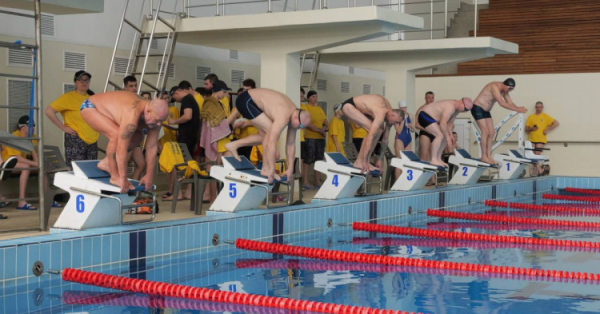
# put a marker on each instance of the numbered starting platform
(94, 201)
(343, 180)
(415, 172)
(469, 169)
(243, 186)
(529, 153)
(512, 164)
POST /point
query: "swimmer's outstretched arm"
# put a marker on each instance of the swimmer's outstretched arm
(506, 102)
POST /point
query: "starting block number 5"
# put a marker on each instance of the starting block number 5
(80, 203)
(232, 190)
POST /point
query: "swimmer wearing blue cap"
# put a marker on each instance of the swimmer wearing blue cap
(492, 93)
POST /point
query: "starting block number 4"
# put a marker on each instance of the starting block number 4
(80, 203)
(232, 190)
(335, 180)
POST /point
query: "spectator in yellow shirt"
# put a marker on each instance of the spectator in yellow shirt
(80, 139)
(314, 139)
(337, 134)
(24, 160)
(538, 125)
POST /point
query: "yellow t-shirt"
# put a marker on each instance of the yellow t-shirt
(317, 116)
(8, 152)
(170, 135)
(337, 128)
(69, 105)
(200, 100)
(357, 131)
(542, 121)
(221, 143)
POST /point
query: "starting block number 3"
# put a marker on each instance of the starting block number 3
(80, 203)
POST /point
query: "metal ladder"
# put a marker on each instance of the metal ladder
(314, 71)
(136, 54)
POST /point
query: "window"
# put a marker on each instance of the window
(74, 61)
(322, 85)
(19, 94)
(237, 77)
(123, 66)
(366, 89)
(20, 57)
(202, 72)
(345, 87)
(171, 73)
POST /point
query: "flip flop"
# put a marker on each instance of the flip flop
(55, 204)
(27, 206)
(4, 204)
(166, 195)
(3, 217)
(7, 166)
(308, 187)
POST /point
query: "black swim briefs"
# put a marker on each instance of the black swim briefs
(425, 119)
(349, 101)
(478, 113)
(246, 106)
(426, 134)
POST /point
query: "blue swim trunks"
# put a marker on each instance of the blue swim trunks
(87, 104)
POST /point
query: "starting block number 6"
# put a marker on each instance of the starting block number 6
(80, 203)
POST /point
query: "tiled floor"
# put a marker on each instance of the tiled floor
(29, 220)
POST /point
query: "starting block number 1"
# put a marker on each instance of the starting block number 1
(335, 181)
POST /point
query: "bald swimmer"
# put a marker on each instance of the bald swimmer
(375, 114)
(438, 119)
(270, 112)
(121, 116)
(492, 93)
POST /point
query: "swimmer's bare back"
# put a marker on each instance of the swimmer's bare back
(115, 104)
(370, 104)
(274, 104)
(486, 99)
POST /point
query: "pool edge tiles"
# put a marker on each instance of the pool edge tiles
(114, 246)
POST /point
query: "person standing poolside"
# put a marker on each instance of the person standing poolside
(403, 134)
(425, 139)
(538, 125)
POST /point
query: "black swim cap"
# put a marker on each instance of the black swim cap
(510, 82)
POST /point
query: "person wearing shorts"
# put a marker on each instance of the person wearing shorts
(314, 139)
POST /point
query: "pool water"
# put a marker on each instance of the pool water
(399, 288)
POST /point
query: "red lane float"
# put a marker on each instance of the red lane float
(342, 256)
(195, 293)
(470, 244)
(502, 227)
(573, 198)
(583, 191)
(509, 220)
(544, 207)
(312, 265)
(463, 236)
(151, 301)
(534, 214)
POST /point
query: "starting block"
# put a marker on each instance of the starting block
(343, 180)
(469, 168)
(243, 186)
(415, 172)
(530, 155)
(94, 201)
(513, 164)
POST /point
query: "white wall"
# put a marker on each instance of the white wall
(572, 99)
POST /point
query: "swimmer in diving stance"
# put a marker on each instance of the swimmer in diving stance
(375, 114)
(270, 112)
(438, 119)
(121, 116)
(492, 93)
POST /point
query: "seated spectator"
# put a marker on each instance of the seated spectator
(24, 160)
(337, 134)
(146, 95)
